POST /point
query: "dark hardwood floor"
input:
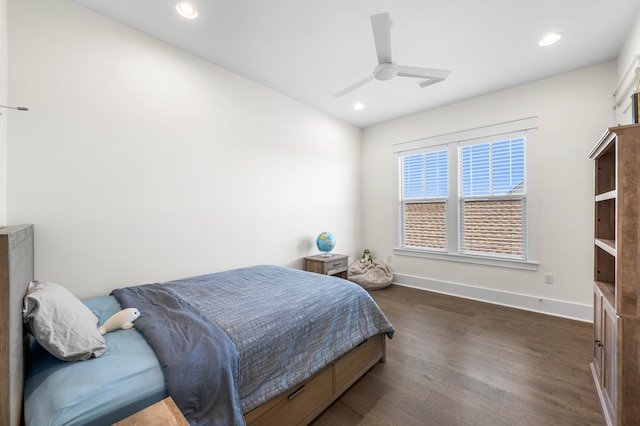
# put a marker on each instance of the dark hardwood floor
(454, 361)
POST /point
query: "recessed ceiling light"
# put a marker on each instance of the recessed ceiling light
(185, 9)
(549, 39)
(359, 105)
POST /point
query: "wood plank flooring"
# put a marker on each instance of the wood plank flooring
(454, 361)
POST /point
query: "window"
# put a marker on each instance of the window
(492, 198)
(425, 189)
(466, 196)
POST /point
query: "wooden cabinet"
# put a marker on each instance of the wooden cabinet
(616, 331)
(604, 352)
(598, 347)
(336, 265)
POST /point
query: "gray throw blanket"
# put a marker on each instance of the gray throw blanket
(190, 347)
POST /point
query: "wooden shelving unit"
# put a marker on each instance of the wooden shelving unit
(616, 319)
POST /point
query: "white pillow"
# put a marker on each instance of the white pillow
(61, 323)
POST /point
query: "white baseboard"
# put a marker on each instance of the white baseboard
(557, 308)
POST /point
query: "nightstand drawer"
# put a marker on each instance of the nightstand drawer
(336, 266)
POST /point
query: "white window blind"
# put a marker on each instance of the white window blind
(424, 197)
(492, 198)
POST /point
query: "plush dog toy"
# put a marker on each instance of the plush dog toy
(123, 319)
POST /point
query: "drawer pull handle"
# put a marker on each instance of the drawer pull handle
(337, 264)
(296, 393)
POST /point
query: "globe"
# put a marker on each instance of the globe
(326, 242)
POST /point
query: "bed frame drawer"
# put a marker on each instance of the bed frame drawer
(357, 362)
(300, 407)
(304, 401)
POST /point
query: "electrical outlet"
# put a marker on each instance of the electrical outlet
(388, 258)
(548, 278)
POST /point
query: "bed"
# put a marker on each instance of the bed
(309, 366)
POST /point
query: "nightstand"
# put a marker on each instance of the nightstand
(336, 265)
(163, 413)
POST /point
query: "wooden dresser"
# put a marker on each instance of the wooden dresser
(616, 318)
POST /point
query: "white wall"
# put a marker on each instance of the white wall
(573, 111)
(3, 118)
(125, 164)
(138, 162)
(628, 54)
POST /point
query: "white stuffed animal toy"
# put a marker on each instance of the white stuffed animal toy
(123, 319)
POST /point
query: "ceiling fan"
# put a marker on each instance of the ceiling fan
(387, 69)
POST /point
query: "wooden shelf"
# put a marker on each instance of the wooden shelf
(608, 291)
(610, 195)
(605, 224)
(607, 245)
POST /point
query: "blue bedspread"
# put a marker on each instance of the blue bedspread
(286, 325)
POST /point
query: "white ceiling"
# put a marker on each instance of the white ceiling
(311, 49)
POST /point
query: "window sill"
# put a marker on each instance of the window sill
(528, 265)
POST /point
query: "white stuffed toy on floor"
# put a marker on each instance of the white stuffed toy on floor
(121, 320)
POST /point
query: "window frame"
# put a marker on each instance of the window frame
(526, 127)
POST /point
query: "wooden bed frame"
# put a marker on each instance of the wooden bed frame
(16, 272)
(299, 405)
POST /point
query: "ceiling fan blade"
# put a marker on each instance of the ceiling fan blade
(428, 73)
(429, 82)
(354, 86)
(381, 25)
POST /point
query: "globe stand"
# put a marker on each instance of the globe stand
(326, 254)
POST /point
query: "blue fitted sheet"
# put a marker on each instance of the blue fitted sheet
(99, 391)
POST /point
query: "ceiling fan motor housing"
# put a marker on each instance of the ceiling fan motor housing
(386, 71)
